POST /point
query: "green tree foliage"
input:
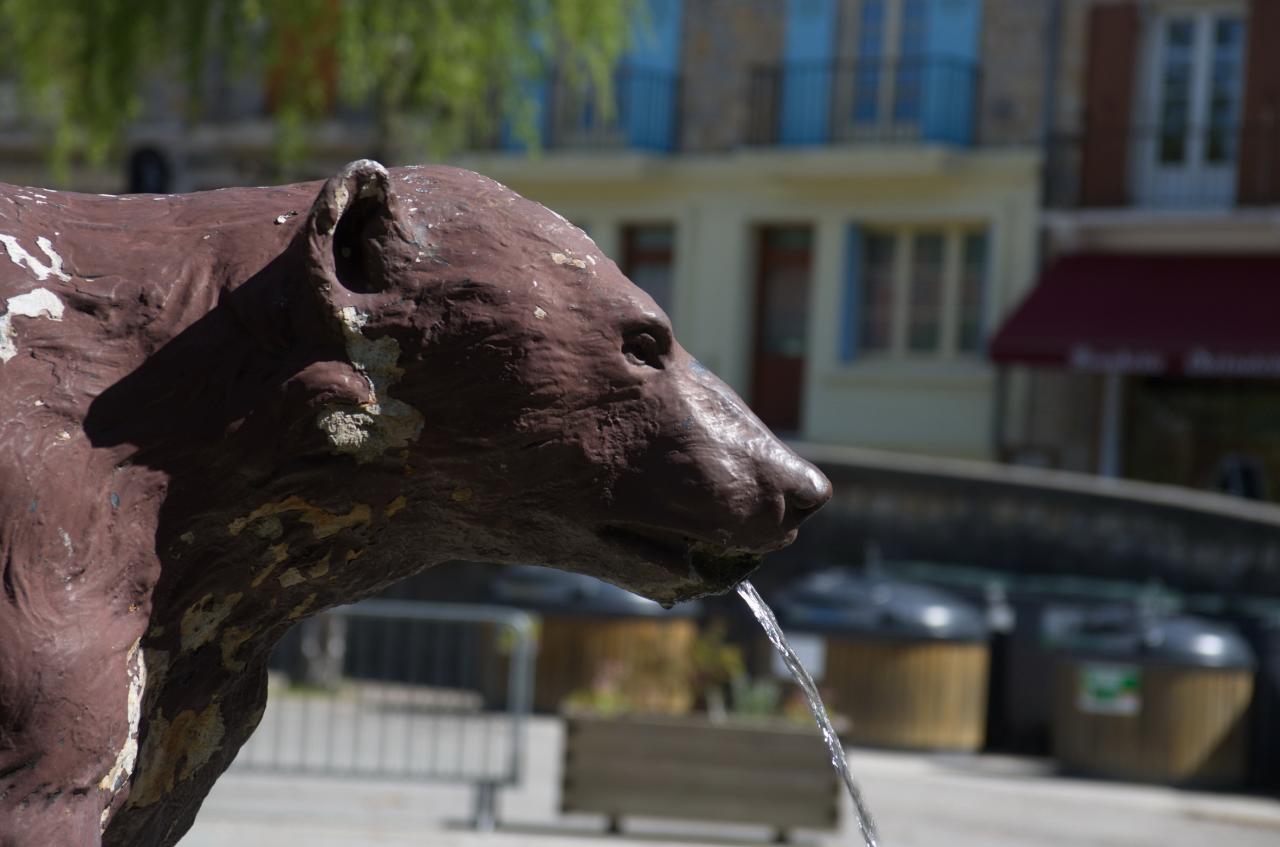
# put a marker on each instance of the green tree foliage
(429, 70)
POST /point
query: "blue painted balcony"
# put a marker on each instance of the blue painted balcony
(877, 101)
(643, 114)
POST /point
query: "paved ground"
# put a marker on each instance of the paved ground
(921, 801)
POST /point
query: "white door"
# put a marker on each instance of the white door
(1189, 135)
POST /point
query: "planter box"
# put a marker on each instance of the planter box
(775, 774)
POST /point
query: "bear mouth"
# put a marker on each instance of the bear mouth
(696, 567)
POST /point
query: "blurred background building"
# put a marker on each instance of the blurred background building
(840, 203)
(1035, 232)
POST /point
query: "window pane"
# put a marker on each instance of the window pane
(649, 254)
(924, 314)
(1225, 89)
(908, 87)
(785, 298)
(866, 73)
(1175, 90)
(875, 312)
(973, 290)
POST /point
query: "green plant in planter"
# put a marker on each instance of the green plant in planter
(755, 698)
(716, 666)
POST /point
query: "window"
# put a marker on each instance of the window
(648, 259)
(888, 79)
(867, 80)
(924, 305)
(1193, 107)
(916, 291)
(908, 93)
(876, 330)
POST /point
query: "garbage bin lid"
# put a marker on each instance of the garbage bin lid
(548, 589)
(1184, 640)
(839, 600)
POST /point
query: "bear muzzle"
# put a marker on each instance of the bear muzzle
(732, 491)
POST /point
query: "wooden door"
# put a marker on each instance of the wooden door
(782, 324)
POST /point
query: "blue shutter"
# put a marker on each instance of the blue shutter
(806, 79)
(851, 313)
(954, 32)
(647, 80)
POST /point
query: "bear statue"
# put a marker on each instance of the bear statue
(230, 410)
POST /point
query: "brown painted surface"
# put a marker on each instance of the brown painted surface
(227, 411)
(1258, 178)
(784, 266)
(1109, 92)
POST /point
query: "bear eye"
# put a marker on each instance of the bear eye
(643, 347)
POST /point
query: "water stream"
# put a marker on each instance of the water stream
(770, 623)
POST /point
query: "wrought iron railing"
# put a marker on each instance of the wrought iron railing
(923, 98)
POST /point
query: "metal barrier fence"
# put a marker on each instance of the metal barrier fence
(414, 699)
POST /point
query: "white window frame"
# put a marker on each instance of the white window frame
(1197, 183)
(904, 237)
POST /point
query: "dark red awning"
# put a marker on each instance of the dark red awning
(1196, 315)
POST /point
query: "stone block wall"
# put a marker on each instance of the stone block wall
(723, 41)
(1014, 54)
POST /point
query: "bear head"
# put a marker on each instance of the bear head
(530, 402)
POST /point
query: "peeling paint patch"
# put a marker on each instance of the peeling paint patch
(323, 523)
(320, 568)
(40, 303)
(302, 608)
(291, 577)
(571, 261)
(395, 506)
(275, 554)
(174, 750)
(202, 620)
(232, 640)
(66, 540)
(122, 769)
(22, 258)
(383, 423)
(269, 528)
(539, 312)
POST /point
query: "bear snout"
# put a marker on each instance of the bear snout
(753, 491)
(805, 492)
(789, 491)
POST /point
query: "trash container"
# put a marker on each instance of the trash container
(594, 635)
(1024, 613)
(1259, 622)
(1152, 698)
(906, 664)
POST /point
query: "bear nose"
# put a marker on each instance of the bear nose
(809, 493)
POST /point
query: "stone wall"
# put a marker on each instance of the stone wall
(723, 41)
(1035, 521)
(1014, 54)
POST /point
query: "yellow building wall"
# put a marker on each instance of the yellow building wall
(932, 405)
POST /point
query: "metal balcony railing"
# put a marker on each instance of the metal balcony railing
(896, 100)
(642, 114)
(645, 113)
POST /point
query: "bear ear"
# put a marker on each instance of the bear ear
(348, 228)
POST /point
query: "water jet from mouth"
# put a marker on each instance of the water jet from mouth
(866, 825)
